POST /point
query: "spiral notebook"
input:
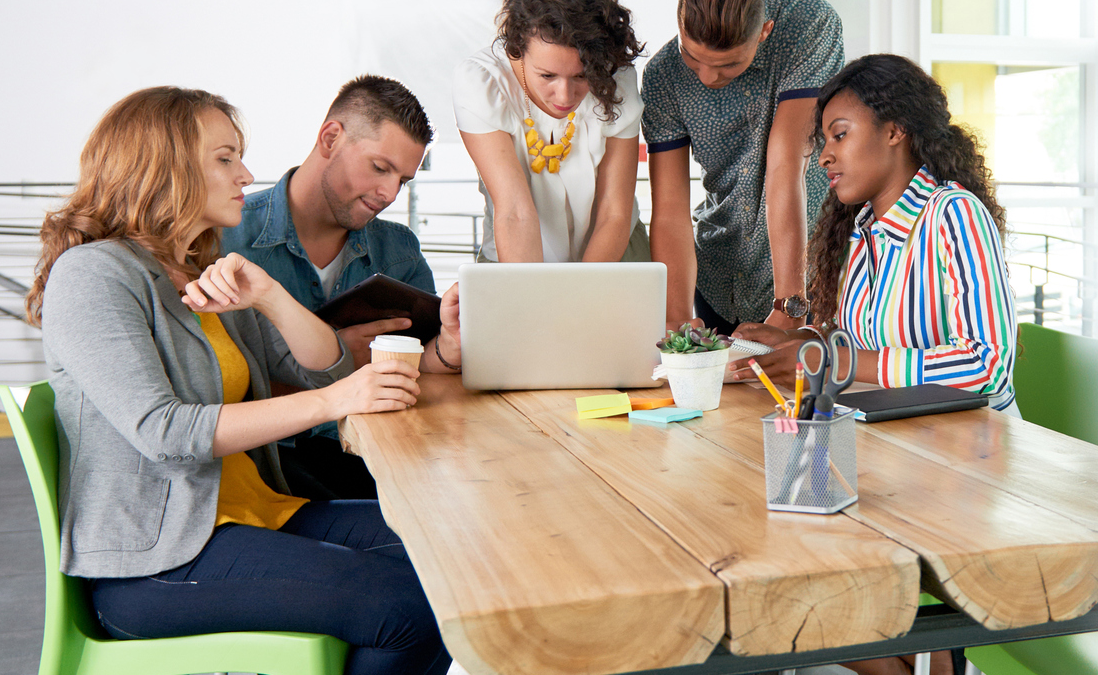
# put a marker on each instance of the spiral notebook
(741, 349)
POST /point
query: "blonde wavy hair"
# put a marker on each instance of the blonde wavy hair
(141, 179)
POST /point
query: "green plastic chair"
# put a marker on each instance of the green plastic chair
(1054, 381)
(75, 644)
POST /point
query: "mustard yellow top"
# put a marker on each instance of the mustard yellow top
(243, 496)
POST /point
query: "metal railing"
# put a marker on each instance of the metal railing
(417, 218)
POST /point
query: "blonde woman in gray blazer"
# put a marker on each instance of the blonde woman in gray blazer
(130, 264)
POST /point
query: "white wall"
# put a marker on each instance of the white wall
(280, 61)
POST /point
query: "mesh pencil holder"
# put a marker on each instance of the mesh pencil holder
(811, 466)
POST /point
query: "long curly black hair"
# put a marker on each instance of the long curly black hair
(896, 90)
(600, 30)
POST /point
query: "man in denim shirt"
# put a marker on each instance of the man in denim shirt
(316, 233)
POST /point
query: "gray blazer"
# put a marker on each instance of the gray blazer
(138, 392)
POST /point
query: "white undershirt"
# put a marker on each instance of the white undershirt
(330, 274)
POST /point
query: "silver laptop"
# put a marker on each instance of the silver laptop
(561, 325)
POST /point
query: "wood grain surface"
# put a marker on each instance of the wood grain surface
(530, 561)
(1008, 547)
(795, 582)
(550, 544)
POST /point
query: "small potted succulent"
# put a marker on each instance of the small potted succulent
(694, 360)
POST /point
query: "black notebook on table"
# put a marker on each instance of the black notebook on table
(878, 405)
(381, 297)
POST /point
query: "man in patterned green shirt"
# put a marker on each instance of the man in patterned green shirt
(738, 85)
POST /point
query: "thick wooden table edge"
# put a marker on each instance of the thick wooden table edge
(741, 636)
(471, 637)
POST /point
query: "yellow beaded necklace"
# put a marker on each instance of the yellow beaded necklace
(545, 155)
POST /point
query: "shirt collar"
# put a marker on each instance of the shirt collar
(279, 226)
(898, 222)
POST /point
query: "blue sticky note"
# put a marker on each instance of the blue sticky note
(665, 415)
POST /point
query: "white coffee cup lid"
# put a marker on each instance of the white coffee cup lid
(401, 344)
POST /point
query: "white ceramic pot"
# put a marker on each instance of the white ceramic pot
(696, 379)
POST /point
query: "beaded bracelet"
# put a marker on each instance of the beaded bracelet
(442, 360)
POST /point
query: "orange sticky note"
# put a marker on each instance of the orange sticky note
(650, 403)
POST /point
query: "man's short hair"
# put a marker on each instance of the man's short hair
(367, 101)
(722, 24)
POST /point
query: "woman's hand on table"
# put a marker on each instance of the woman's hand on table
(779, 365)
(375, 387)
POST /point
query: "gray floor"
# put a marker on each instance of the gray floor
(22, 583)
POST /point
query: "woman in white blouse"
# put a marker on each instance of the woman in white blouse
(550, 115)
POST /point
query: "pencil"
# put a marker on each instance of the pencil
(799, 390)
(768, 384)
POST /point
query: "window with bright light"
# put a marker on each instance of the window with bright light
(1020, 73)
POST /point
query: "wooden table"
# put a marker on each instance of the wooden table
(553, 545)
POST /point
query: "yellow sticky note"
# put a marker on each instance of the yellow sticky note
(607, 405)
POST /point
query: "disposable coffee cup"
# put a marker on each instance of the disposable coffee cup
(396, 348)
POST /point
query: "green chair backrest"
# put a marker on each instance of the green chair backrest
(1056, 381)
(68, 615)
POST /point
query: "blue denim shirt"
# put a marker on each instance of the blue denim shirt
(266, 235)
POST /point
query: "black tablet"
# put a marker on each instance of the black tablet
(879, 405)
(381, 297)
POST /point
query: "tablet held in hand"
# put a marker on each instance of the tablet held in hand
(381, 297)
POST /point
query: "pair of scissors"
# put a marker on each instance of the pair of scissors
(823, 385)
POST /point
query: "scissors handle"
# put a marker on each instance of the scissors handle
(816, 376)
(833, 384)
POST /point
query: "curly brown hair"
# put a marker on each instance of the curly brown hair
(600, 30)
(896, 90)
(141, 179)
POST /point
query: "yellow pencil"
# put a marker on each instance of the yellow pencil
(798, 391)
(768, 384)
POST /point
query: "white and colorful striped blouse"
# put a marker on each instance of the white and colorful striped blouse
(927, 286)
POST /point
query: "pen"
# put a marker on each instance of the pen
(799, 391)
(768, 384)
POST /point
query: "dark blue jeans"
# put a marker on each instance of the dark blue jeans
(334, 568)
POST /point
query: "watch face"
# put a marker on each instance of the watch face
(795, 306)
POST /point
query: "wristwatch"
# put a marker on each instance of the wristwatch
(794, 306)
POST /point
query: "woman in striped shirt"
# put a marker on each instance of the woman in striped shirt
(923, 287)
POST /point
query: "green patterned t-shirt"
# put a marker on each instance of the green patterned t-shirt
(727, 130)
